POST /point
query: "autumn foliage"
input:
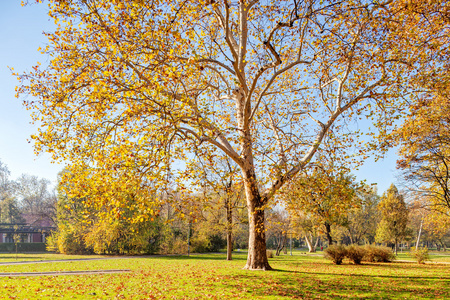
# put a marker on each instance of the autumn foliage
(133, 87)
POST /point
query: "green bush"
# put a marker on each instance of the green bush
(378, 254)
(421, 255)
(355, 253)
(200, 244)
(336, 253)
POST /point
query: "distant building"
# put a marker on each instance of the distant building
(33, 230)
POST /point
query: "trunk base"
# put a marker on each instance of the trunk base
(258, 267)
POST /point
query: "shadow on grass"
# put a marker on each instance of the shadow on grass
(199, 256)
(313, 284)
(374, 276)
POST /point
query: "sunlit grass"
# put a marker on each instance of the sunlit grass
(210, 276)
(13, 257)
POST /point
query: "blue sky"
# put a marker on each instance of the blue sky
(20, 36)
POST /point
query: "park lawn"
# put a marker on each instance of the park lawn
(211, 277)
(13, 257)
(435, 256)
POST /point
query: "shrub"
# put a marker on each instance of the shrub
(269, 253)
(22, 247)
(336, 253)
(355, 253)
(421, 255)
(378, 254)
(200, 244)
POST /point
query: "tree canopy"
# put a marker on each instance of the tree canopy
(133, 86)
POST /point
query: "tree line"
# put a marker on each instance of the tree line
(26, 195)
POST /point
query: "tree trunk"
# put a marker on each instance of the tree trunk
(328, 233)
(420, 233)
(229, 230)
(396, 247)
(257, 256)
(279, 239)
(317, 242)
(311, 248)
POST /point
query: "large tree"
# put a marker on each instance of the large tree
(135, 85)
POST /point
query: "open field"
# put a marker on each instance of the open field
(209, 276)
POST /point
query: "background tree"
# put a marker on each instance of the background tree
(278, 227)
(304, 226)
(137, 85)
(437, 229)
(326, 193)
(425, 151)
(362, 221)
(115, 224)
(9, 206)
(36, 198)
(219, 181)
(394, 217)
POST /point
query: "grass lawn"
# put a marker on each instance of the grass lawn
(20, 257)
(209, 276)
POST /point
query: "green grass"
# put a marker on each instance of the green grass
(211, 277)
(12, 257)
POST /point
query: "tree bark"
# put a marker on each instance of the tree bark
(229, 231)
(328, 233)
(257, 256)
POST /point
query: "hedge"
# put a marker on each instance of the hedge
(22, 247)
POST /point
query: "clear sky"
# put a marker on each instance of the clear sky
(21, 36)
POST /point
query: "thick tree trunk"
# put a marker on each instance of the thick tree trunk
(257, 256)
(229, 231)
(328, 233)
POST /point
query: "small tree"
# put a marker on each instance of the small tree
(325, 193)
(392, 227)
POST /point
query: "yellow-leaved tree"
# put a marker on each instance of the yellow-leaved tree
(134, 86)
